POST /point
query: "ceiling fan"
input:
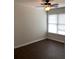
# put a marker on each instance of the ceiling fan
(47, 5)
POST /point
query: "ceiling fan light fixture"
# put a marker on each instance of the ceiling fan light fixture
(47, 3)
(47, 8)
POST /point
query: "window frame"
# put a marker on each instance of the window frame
(57, 24)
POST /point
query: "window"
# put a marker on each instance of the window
(56, 23)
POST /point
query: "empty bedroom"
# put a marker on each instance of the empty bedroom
(39, 29)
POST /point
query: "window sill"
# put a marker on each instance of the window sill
(56, 34)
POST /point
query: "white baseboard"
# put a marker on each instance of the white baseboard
(28, 43)
(55, 39)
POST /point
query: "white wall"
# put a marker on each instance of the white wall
(29, 24)
(56, 37)
(57, 11)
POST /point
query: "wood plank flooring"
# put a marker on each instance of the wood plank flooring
(44, 49)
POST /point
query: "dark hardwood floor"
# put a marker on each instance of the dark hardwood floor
(45, 49)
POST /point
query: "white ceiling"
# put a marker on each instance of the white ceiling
(38, 2)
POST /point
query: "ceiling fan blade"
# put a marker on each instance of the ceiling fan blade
(42, 3)
(39, 6)
(54, 5)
